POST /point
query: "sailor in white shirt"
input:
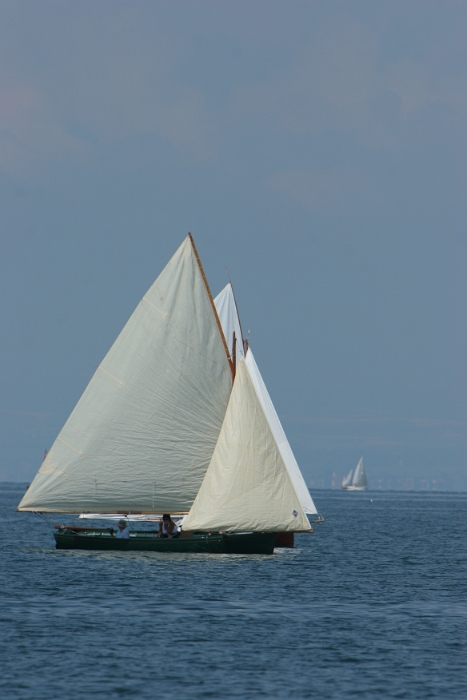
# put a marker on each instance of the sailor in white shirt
(167, 527)
(123, 531)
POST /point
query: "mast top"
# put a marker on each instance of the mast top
(216, 316)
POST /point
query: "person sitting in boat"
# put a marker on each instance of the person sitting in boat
(123, 531)
(167, 527)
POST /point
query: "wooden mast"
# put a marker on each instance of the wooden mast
(234, 354)
(229, 359)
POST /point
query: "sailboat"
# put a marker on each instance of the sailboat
(176, 419)
(356, 479)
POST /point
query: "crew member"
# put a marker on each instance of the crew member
(167, 527)
(123, 531)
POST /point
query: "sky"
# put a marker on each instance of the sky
(317, 152)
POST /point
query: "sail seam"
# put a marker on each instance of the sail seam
(102, 512)
(117, 381)
(164, 314)
(80, 454)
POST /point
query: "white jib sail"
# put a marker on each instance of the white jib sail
(228, 315)
(347, 480)
(247, 486)
(143, 433)
(359, 477)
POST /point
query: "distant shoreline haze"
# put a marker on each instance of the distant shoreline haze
(403, 487)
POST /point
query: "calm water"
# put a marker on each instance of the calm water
(373, 604)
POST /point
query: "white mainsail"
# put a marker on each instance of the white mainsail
(142, 435)
(228, 316)
(247, 485)
(359, 478)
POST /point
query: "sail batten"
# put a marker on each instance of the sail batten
(142, 435)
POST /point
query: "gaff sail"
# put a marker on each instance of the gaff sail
(142, 435)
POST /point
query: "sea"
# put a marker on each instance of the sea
(371, 605)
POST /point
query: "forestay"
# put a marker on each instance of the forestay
(228, 315)
(143, 433)
(247, 486)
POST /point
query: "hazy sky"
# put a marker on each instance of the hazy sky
(317, 149)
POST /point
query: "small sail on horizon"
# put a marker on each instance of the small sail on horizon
(356, 479)
(359, 478)
(347, 480)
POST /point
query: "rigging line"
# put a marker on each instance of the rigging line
(36, 512)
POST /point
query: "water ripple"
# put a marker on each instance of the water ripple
(372, 605)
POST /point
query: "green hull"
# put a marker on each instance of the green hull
(146, 541)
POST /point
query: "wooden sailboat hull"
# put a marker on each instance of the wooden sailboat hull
(284, 539)
(146, 541)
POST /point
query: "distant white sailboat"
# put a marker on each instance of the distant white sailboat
(356, 479)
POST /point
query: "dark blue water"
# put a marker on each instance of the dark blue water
(372, 605)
